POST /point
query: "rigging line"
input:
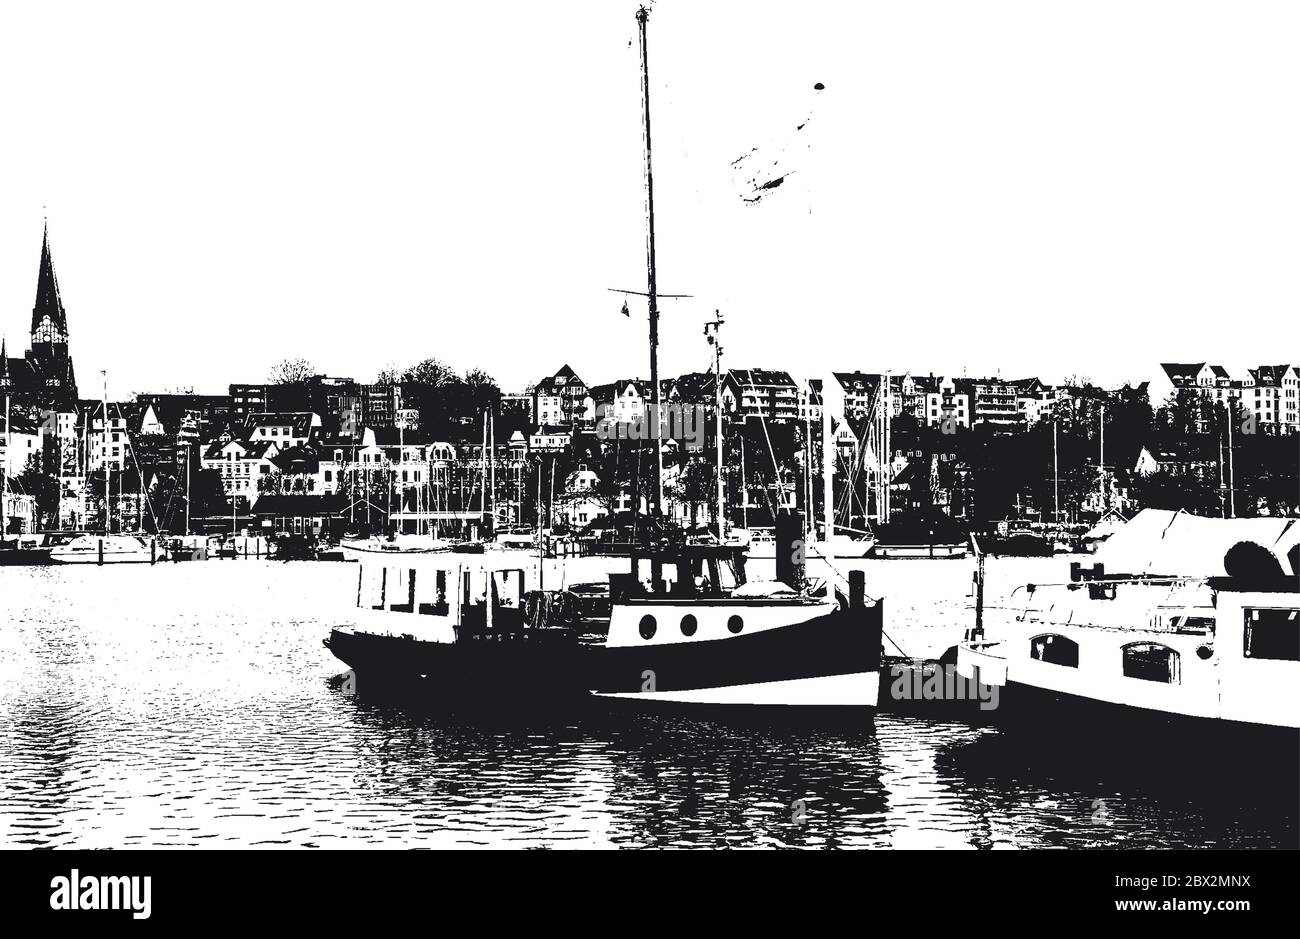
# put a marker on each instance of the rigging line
(139, 472)
(844, 580)
(776, 467)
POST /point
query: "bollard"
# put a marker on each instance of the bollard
(857, 590)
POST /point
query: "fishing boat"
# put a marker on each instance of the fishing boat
(683, 627)
(1186, 629)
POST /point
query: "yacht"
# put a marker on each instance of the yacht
(109, 549)
(1183, 624)
(394, 544)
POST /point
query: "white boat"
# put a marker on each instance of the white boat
(915, 551)
(109, 549)
(1200, 632)
(398, 544)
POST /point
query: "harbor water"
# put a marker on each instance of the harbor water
(192, 705)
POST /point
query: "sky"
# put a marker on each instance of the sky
(1058, 189)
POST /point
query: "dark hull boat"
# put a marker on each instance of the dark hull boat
(679, 639)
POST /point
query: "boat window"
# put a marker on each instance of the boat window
(1196, 625)
(372, 584)
(1150, 661)
(648, 627)
(403, 591)
(439, 605)
(735, 623)
(1054, 650)
(689, 624)
(1272, 634)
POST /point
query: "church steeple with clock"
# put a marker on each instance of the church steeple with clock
(52, 377)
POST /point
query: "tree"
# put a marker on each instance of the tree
(42, 487)
(291, 372)
(432, 372)
(207, 493)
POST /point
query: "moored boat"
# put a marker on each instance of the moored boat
(1182, 646)
(683, 628)
(109, 549)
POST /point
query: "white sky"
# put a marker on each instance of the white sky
(1050, 188)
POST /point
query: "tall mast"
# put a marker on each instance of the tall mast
(8, 445)
(713, 329)
(482, 469)
(809, 524)
(1101, 458)
(492, 464)
(1056, 475)
(642, 16)
(1232, 475)
(828, 463)
(103, 449)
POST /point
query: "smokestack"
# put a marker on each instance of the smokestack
(790, 549)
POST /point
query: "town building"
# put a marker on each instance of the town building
(759, 392)
(562, 398)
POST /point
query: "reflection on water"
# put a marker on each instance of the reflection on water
(189, 705)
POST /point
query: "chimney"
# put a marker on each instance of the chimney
(790, 548)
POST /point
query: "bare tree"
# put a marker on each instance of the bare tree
(291, 372)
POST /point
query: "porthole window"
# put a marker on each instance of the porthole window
(648, 627)
(689, 624)
(735, 624)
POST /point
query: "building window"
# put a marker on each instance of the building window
(1054, 650)
(1272, 634)
(1150, 661)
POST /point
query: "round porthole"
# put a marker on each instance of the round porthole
(689, 624)
(648, 627)
(735, 624)
(1204, 652)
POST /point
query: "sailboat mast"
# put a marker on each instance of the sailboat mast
(809, 526)
(1232, 475)
(1101, 458)
(1056, 475)
(642, 16)
(8, 446)
(482, 470)
(828, 464)
(103, 449)
(712, 330)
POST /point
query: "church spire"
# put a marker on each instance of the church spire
(49, 322)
